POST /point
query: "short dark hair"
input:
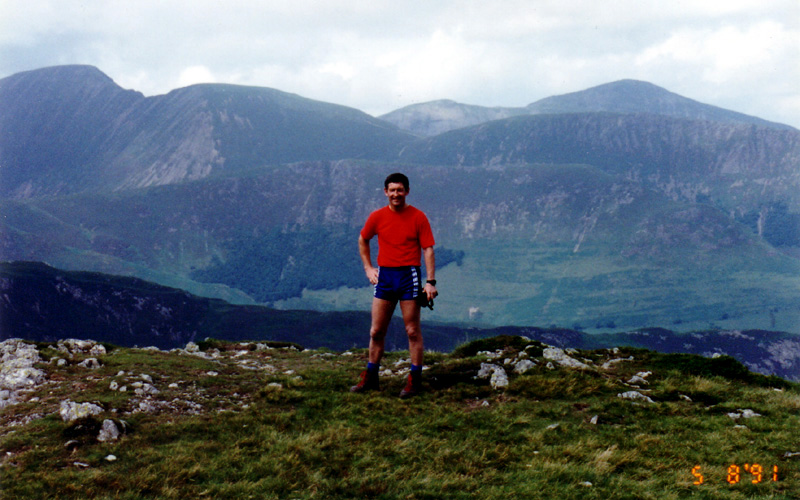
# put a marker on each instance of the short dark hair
(396, 177)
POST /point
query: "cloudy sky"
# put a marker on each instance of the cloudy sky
(378, 55)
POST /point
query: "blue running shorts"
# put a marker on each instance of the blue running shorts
(398, 283)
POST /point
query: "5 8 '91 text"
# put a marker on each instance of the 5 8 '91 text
(753, 473)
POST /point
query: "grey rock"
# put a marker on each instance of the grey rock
(109, 431)
(71, 411)
(635, 395)
(523, 365)
(560, 357)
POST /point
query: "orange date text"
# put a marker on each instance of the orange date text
(752, 473)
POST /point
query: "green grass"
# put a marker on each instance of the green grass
(311, 438)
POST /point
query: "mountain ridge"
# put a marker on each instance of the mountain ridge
(622, 96)
(183, 135)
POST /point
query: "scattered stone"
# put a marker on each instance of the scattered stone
(523, 365)
(147, 407)
(587, 484)
(98, 350)
(553, 426)
(90, 363)
(191, 347)
(61, 362)
(72, 444)
(499, 379)
(486, 370)
(71, 411)
(212, 374)
(275, 385)
(594, 420)
(75, 346)
(146, 378)
(743, 414)
(790, 454)
(111, 458)
(640, 378)
(485, 403)
(560, 357)
(17, 372)
(109, 431)
(81, 465)
(635, 395)
(686, 398)
(113, 385)
(146, 389)
(173, 386)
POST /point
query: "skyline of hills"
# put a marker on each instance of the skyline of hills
(623, 96)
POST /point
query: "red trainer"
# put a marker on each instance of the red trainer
(368, 382)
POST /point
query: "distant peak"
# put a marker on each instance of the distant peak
(74, 74)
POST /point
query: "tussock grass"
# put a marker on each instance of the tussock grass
(553, 433)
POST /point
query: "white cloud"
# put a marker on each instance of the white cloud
(378, 55)
(195, 74)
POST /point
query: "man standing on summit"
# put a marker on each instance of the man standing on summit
(404, 236)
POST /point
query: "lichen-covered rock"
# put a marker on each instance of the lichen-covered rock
(635, 395)
(17, 360)
(499, 377)
(523, 365)
(560, 357)
(71, 411)
(109, 431)
(76, 346)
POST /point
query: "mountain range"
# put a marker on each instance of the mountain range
(622, 206)
(625, 96)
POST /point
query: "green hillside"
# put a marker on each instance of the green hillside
(242, 420)
(567, 245)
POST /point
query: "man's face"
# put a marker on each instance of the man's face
(396, 193)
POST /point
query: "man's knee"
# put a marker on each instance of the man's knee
(414, 333)
(377, 334)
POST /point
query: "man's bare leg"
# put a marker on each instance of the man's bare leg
(411, 319)
(382, 311)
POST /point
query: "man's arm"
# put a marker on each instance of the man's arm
(366, 259)
(430, 269)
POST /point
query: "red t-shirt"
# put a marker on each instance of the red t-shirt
(401, 235)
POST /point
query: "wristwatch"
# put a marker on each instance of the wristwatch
(432, 282)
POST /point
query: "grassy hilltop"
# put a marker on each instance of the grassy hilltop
(247, 420)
